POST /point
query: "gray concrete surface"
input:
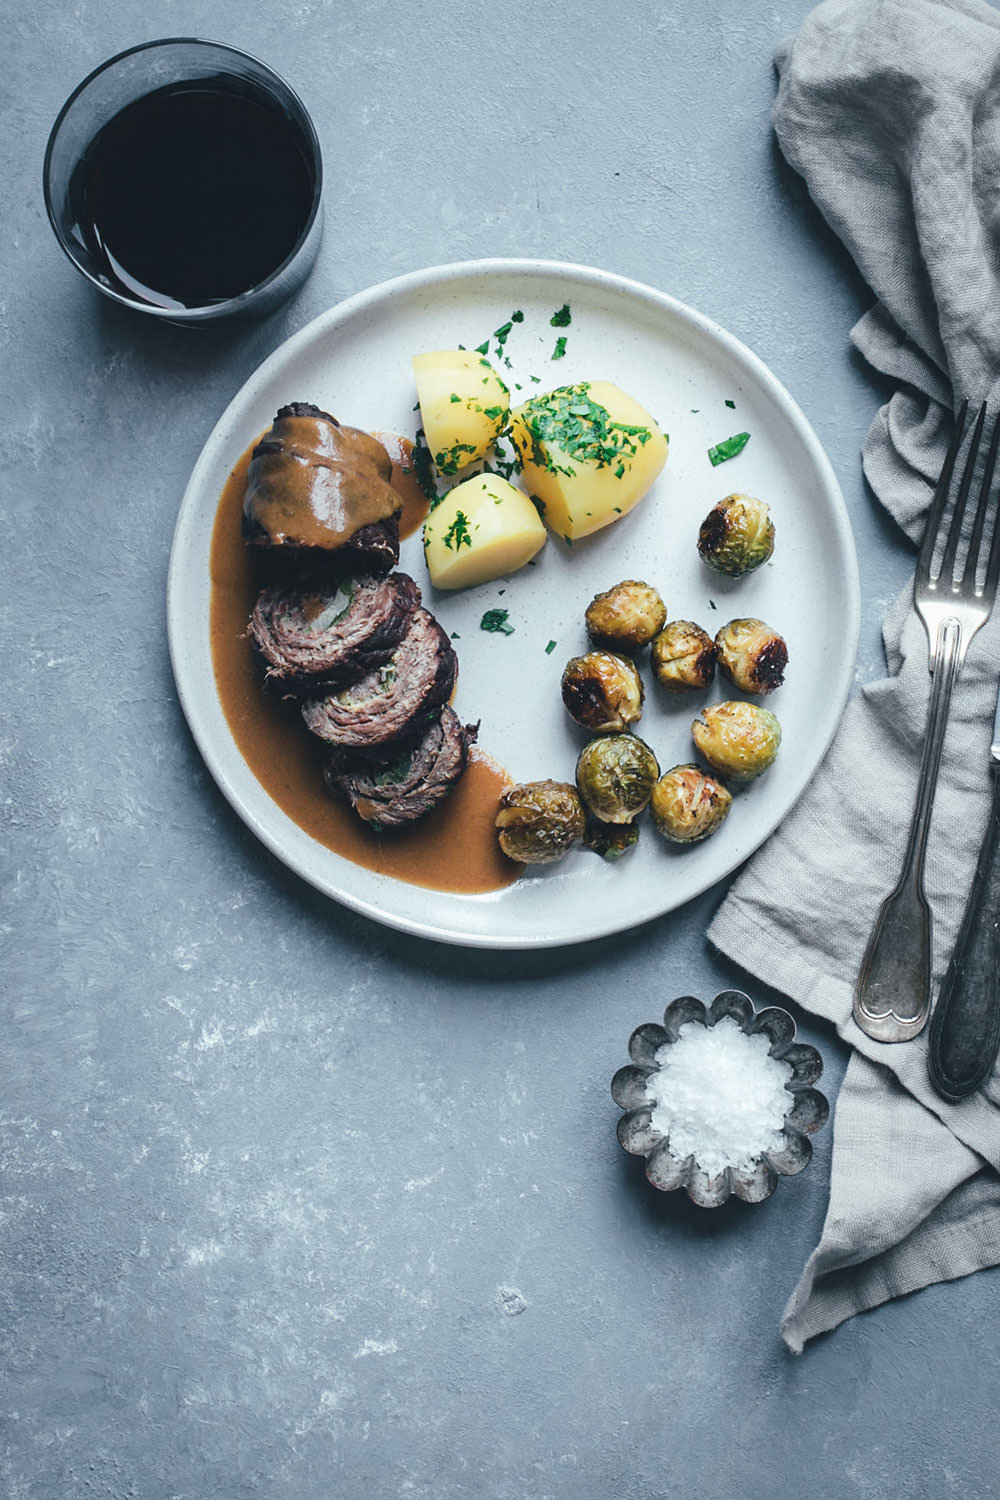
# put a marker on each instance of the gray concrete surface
(293, 1206)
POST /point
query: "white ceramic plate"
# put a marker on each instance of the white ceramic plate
(355, 361)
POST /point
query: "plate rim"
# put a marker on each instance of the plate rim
(346, 311)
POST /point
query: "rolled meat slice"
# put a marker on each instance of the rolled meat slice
(397, 792)
(321, 634)
(395, 700)
(315, 484)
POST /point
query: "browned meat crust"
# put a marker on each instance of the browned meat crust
(375, 547)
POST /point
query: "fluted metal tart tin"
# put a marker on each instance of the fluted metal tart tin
(807, 1108)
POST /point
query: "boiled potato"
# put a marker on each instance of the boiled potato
(481, 529)
(589, 453)
(463, 406)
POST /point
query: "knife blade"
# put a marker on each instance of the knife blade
(964, 1033)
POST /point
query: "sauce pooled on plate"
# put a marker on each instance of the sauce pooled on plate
(455, 847)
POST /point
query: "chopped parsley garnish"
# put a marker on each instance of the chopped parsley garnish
(450, 460)
(730, 404)
(457, 534)
(728, 448)
(562, 318)
(560, 348)
(584, 431)
(496, 620)
(550, 648)
(502, 333)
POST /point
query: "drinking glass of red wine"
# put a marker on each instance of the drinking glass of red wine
(183, 178)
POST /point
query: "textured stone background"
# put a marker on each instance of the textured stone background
(295, 1207)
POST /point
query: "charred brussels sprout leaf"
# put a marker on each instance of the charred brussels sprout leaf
(626, 617)
(752, 655)
(687, 805)
(683, 656)
(615, 776)
(540, 821)
(737, 535)
(602, 691)
(737, 739)
(612, 841)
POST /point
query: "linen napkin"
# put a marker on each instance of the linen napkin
(890, 110)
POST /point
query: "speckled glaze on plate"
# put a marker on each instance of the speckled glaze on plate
(807, 1108)
(702, 385)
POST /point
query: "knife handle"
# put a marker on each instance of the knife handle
(964, 1033)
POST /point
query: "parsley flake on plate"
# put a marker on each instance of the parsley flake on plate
(496, 620)
(728, 448)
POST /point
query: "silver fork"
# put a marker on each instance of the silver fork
(892, 994)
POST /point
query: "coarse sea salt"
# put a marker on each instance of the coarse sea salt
(718, 1095)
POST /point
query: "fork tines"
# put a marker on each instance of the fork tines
(949, 573)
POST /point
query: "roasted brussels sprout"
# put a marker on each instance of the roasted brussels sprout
(683, 656)
(626, 617)
(615, 776)
(612, 841)
(737, 535)
(540, 821)
(752, 655)
(688, 805)
(602, 691)
(737, 739)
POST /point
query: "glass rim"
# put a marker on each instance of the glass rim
(208, 310)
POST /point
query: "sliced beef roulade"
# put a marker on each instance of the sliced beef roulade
(393, 793)
(321, 634)
(394, 701)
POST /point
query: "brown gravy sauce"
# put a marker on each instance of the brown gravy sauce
(320, 484)
(455, 847)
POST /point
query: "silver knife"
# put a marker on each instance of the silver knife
(964, 1034)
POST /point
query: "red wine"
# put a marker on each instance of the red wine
(193, 194)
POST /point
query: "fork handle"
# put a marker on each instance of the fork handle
(964, 1035)
(893, 992)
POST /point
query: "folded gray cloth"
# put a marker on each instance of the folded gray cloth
(890, 109)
